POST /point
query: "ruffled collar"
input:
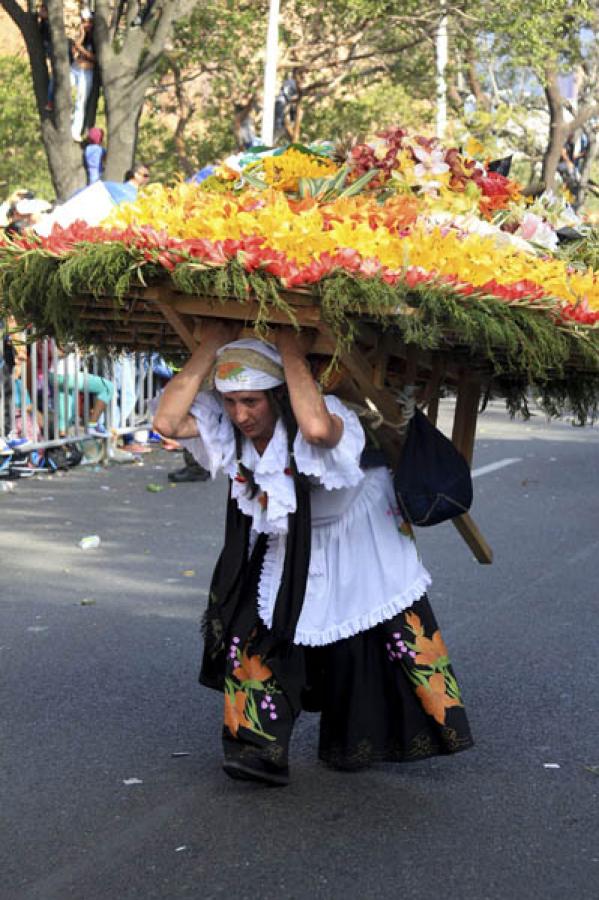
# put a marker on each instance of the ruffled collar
(275, 498)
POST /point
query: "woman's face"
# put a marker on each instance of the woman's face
(251, 412)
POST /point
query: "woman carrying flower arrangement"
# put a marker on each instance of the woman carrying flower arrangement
(318, 598)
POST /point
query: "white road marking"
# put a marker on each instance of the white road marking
(492, 467)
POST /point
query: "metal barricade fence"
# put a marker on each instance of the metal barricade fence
(52, 399)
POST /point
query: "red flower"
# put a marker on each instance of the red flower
(579, 313)
(517, 290)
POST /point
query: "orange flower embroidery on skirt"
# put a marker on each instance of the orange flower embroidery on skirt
(235, 712)
(434, 699)
(414, 623)
(251, 668)
(431, 650)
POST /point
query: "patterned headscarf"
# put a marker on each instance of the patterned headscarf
(247, 365)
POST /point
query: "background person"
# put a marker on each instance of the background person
(72, 382)
(94, 154)
(7, 364)
(190, 471)
(82, 71)
(135, 178)
(46, 38)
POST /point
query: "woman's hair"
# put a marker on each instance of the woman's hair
(280, 404)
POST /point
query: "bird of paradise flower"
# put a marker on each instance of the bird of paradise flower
(250, 677)
(436, 685)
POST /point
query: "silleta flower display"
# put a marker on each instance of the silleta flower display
(422, 214)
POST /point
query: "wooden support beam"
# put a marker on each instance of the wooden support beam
(468, 530)
(178, 323)
(360, 370)
(380, 363)
(308, 316)
(466, 412)
(433, 390)
(411, 370)
(463, 434)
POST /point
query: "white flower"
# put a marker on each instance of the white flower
(430, 162)
(534, 229)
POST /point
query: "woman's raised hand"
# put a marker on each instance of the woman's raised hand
(288, 340)
(215, 333)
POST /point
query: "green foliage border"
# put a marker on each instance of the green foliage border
(522, 349)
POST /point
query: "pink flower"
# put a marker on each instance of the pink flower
(430, 162)
(533, 228)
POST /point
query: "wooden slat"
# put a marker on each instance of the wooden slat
(466, 412)
(180, 324)
(167, 294)
(380, 363)
(362, 373)
(243, 312)
(468, 530)
(433, 391)
(135, 319)
(463, 434)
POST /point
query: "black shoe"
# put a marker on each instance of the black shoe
(257, 770)
(189, 473)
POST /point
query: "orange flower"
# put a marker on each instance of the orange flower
(235, 712)
(430, 649)
(228, 370)
(414, 623)
(252, 669)
(299, 206)
(434, 699)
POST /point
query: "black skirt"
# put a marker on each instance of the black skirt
(386, 694)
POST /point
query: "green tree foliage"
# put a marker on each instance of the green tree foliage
(370, 110)
(351, 53)
(23, 161)
(511, 56)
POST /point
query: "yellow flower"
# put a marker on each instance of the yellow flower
(385, 232)
(283, 172)
(474, 148)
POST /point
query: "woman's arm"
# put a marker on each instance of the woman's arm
(317, 425)
(172, 419)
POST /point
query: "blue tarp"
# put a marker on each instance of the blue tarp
(121, 192)
(203, 174)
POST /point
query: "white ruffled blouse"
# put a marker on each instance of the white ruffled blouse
(363, 570)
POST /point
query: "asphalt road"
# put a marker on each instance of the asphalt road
(98, 660)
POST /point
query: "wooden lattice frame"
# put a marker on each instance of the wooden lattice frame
(161, 317)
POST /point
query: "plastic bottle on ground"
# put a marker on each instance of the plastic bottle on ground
(90, 542)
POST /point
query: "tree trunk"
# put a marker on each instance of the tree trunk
(64, 155)
(585, 173)
(297, 123)
(559, 130)
(453, 94)
(125, 77)
(65, 161)
(483, 101)
(185, 114)
(124, 95)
